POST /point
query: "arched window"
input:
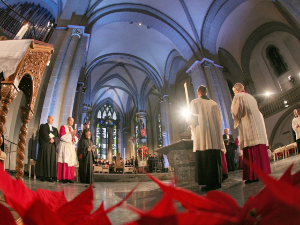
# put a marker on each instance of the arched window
(106, 119)
(276, 60)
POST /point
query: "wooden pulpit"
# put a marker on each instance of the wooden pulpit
(23, 63)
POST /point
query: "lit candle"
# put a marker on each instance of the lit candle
(75, 126)
(186, 95)
(21, 32)
(124, 153)
(81, 126)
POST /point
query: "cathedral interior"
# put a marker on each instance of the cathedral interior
(118, 65)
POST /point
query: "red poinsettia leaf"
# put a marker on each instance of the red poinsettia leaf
(163, 212)
(41, 213)
(207, 218)
(148, 220)
(224, 199)
(54, 200)
(164, 208)
(287, 176)
(191, 200)
(291, 194)
(296, 178)
(16, 194)
(81, 204)
(98, 217)
(6, 217)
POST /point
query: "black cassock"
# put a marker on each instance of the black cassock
(86, 159)
(230, 152)
(46, 160)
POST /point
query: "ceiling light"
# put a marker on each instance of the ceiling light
(140, 24)
(267, 93)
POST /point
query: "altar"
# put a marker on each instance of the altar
(181, 157)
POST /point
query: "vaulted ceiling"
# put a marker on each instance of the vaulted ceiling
(138, 47)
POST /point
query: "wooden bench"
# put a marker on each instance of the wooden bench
(128, 169)
(279, 150)
(98, 169)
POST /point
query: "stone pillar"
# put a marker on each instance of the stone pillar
(206, 72)
(198, 76)
(78, 103)
(61, 83)
(166, 120)
(141, 119)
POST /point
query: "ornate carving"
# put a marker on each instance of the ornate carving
(8, 93)
(34, 64)
(27, 77)
(77, 31)
(26, 116)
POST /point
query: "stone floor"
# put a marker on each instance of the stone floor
(147, 193)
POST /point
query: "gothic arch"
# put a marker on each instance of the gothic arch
(285, 118)
(215, 17)
(255, 37)
(229, 63)
(171, 69)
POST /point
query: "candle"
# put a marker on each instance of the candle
(81, 126)
(75, 126)
(88, 126)
(124, 153)
(186, 95)
(21, 32)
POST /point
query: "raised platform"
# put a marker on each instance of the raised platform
(113, 177)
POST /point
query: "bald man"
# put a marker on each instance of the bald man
(296, 126)
(48, 142)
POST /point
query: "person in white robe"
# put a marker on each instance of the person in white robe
(296, 126)
(205, 122)
(66, 158)
(252, 133)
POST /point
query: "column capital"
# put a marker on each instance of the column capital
(77, 30)
(206, 61)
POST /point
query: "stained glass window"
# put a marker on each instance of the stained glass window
(106, 119)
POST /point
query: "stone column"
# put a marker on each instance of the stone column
(166, 120)
(61, 82)
(78, 101)
(198, 76)
(206, 72)
(69, 97)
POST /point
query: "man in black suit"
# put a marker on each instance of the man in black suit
(48, 142)
(230, 149)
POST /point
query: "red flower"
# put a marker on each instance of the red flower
(50, 207)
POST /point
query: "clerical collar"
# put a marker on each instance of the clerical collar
(205, 97)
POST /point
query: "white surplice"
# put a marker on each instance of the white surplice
(249, 120)
(206, 125)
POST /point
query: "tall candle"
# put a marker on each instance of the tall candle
(21, 32)
(81, 126)
(75, 126)
(186, 95)
(124, 153)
